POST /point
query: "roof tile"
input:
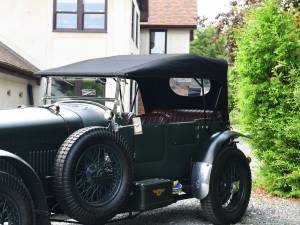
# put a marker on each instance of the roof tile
(172, 13)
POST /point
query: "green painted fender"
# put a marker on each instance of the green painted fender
(33, 184)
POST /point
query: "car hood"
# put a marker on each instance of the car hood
(45, 122)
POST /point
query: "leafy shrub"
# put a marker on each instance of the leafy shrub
(208, 44)
(268, 67)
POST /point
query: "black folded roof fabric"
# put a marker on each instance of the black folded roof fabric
(144, 66)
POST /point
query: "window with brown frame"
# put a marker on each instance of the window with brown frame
(80, 15)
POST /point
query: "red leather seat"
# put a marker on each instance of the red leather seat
(186, 115)
(173, 116)
(153, 118)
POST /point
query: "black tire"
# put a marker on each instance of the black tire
(229, 189)
(16, 205)
(93, 174)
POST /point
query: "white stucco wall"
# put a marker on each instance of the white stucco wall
(145, 41)
(178, 40)
(123, 34)
(16, 86)
(26, 27)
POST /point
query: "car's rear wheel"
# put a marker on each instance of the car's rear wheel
(230, 188)
(93, 174)
(16, 205)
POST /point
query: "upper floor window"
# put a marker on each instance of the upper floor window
(80, 15)
(158, 41)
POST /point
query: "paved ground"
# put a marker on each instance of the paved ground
(262, 210)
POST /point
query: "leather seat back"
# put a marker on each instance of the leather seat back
(187, 115)
(153, 118)
(173, 116)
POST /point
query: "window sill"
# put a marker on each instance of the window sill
(79, 31)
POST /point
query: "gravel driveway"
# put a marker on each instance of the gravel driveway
(262, 210)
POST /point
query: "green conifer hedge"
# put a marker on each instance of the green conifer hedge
(268, 94)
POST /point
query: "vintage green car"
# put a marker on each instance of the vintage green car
(91, 157)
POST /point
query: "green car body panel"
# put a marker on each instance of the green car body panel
(35, 134)
(182, 147)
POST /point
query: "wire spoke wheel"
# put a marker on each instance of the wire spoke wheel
(231, 187)
(9, 212)
(98, 175)
(93, 175)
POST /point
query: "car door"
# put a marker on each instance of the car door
(182, 140)
(150, 145)
(150, 152)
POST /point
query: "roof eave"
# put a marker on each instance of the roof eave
(18, 72)
(165, 26)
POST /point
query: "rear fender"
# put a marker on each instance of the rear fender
(33, 184)
(201, 170)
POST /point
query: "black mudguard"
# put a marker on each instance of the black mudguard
(201, 169)
(217, 142)
(33, 184)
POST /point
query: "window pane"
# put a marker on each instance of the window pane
(94, 21)
(66, 5)
(66, 20)
(137, 30)
(189, 86)
(94, 5)
(88, 87)
(132, 21)
(158, 42)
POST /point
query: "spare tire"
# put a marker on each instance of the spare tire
(93, 174)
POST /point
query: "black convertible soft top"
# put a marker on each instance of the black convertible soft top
(153, 73)
(145, 66)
